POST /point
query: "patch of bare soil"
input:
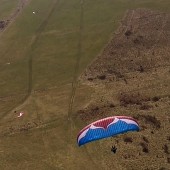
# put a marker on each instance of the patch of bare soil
(132, 77)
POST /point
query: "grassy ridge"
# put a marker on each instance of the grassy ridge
(50, 38)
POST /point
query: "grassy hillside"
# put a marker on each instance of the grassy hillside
(6, 7)
(43, 50)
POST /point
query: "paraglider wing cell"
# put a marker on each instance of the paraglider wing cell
(106, 127)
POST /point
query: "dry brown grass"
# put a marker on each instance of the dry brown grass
(148, 119)
(166, 149)
(131, 99)
(133, 72)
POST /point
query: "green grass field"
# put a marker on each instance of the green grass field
(43, 51)
(6, 7)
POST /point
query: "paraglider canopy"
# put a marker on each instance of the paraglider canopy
(20, 114)
(106, 127)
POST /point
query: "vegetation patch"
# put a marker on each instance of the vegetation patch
(132, 49)
(166, 149)
(151, 120)
(168, 160)
(101, 77)
(145, 139)
(145, 107)
(3, 24)
(168, 138)
(94, 111)
(131, 99)
(128, 140)
(163, 168)
(144, 147)
(156, 98)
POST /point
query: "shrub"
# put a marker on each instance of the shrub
(126, 156)
(128, 139)
(141, 69)
(152, 120)
(126, 99)
(136, 41)
(145, 139)
(102, 77)
(144, 147)
(128, 33)
(145, 107)
(165, 148)
(111, 105)
(168, 160)
(155, 99)
(162, 168)
(90, 79)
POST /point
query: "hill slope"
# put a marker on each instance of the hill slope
(131, 77)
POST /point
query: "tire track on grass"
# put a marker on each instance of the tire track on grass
(33, 47)
(71, 123)
(29, 55)
(77, 65)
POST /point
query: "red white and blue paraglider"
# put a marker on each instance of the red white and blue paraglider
(107, 127)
